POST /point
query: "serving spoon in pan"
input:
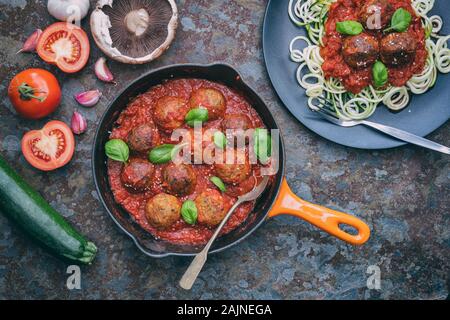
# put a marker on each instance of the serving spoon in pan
(196, 265)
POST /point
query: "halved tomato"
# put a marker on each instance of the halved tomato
(49, 148)
(65, 45)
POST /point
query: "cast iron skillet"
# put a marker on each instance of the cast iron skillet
(277, 198)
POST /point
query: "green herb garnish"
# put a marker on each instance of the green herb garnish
(262, 145)
(218, 183)
(189, 212)
(196, 115)
(163, 153)
(220, 140)
(117, 149)
(400, 21)
(380, 74)
(349, 28)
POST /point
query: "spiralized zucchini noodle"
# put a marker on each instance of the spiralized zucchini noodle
(311, 14)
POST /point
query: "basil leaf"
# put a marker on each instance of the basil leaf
(189, 212)
(162, 154)
(262, 145)
(196, 115)
(380, 74)
(218, 183)
(219, 139)
(117, 149)
(350, 28)
(400, 21)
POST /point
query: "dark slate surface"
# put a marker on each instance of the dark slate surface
(401, 193)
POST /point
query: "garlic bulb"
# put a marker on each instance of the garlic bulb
(68, 10)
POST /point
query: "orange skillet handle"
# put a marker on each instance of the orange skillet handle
(326, 219)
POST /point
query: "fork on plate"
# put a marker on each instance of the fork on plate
(327, 111)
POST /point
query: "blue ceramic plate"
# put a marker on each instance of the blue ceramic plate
(424, 114)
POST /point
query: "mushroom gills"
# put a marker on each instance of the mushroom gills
(136, 28)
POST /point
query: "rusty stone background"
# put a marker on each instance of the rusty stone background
(403, 193)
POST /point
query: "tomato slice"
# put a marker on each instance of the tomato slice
(65, 45)
(49, 148)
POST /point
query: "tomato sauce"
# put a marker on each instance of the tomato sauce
(356, 80)
(139, 111)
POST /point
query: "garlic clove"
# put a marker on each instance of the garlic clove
(78, 123)
(88, 98)
(31, 43)
(102, 71)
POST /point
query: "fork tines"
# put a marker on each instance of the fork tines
(326, 106)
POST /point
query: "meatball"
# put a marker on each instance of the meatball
(137, 174)
(143, 137)
(234, 172)
(236, 121)
(210, 207)
(241, 188)
(163, 210)
(169, 112)
(210, 99)
(180, 179)
(360, 51)
(235, 125)
(398, 49)
(376, 14)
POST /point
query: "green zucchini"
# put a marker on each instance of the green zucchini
(33, 214)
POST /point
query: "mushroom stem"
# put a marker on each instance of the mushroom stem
(137, 22)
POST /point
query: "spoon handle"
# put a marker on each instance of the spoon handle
(194, 269)
(196, 265)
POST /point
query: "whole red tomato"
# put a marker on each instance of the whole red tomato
(34, 93)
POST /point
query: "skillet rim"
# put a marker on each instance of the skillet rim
(279, 175)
